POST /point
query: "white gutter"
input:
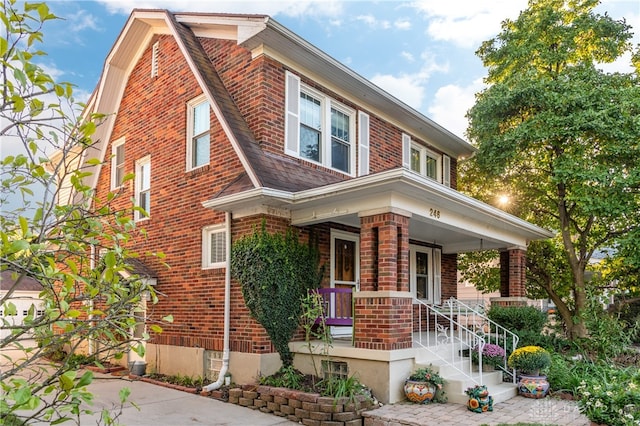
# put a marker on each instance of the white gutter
(227, 311)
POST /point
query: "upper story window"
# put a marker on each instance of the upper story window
(117, 163)
(198, 127)
(428, 163)
(318, 128)
(143, 188)
(214, 247)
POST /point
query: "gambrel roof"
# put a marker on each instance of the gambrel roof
(280, 183)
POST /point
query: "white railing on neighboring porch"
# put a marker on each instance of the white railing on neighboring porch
(452, 327)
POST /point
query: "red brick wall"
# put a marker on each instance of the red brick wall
(384, 248)
(383, 323)
(258, 87)
(152, 118)
(513, 273)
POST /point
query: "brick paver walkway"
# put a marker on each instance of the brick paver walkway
(548, 411)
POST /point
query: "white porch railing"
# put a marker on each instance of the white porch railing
(448, 329)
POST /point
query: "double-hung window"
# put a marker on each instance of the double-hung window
(214, 247)
(198, 129)
(425, 273)
(320, 129)
(143, 187)
(425, 162)
(117, 163)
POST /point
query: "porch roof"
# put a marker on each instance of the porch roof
(439, 214)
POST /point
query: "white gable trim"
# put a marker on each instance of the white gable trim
(127, 50)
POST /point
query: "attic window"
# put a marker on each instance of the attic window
(154, 59)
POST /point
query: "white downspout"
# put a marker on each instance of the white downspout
(92, 265)
(227, 311)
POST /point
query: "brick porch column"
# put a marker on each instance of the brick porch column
(383, 307)
(512, 277)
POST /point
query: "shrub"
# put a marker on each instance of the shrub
(529, 359)
(608, 337)
(611, 397)
(275, 273)
(518, 318)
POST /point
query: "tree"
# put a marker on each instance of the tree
(563, 135)
(89, 302)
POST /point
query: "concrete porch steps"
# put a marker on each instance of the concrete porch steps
(453, 369)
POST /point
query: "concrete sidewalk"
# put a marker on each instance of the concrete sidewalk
(158, 405)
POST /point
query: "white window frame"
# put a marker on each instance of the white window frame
(207, 232)
(434, 281)
(143, 162)
(295, 87)
(191, 106)
(424, 153)
(114, 164)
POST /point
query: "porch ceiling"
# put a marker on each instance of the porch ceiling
(439, 214)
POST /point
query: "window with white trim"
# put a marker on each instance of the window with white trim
(420, 159)
(424, 273)
(143, 188)
(214, 246)
(117, 163)
(318, 128)
(198, 128)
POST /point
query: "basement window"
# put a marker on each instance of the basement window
(335, 370)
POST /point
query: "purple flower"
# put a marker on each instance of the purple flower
(493, 350)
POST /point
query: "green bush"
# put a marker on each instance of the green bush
(612, 396)
(608, 336)
(275, 273)
(518, 318)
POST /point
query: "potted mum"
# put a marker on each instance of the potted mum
(425, 385)
(492, 356)
(529, 361)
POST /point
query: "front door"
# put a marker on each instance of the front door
(345, 273)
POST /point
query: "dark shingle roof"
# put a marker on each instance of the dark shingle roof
(271, 171)
(26, 284)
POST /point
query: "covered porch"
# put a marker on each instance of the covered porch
(394, 238)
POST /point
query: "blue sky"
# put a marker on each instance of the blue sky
(422, 52)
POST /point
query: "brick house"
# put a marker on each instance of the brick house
(229, 120)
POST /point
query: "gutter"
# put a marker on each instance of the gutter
(227, 311)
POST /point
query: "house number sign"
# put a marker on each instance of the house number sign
(434, 213)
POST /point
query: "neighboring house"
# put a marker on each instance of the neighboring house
(24, 295)
(229, 120)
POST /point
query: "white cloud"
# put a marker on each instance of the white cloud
(82, 20)
(372, 22)
(467, 23)
(450, 105)
(410, 88)
(408, 56)
(402, 24)
(407, 88)
(317, 8)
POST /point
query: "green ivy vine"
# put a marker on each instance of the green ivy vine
(275, 273)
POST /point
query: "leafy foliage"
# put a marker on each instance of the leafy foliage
(52, 229)
(563, 136)
(276, 272)
(518, 318)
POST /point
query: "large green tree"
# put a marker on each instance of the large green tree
(564, 136)
(89, 303)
